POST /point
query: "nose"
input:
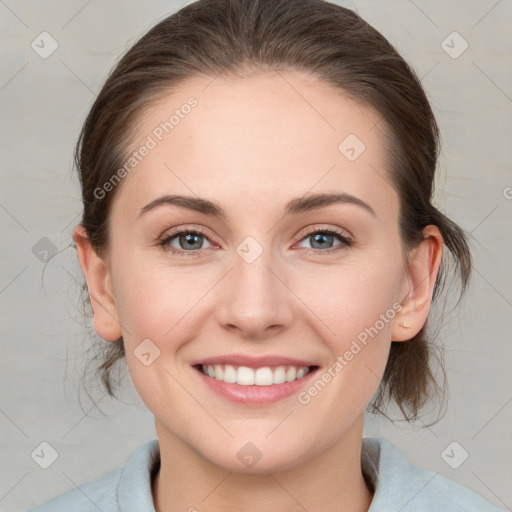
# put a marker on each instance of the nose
(255, 301)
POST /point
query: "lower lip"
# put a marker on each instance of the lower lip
(255, 395)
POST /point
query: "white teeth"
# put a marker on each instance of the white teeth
(279, 375)
(229, 374)
(246, 376)
(301, 373)
(291, 374)
(263, 377)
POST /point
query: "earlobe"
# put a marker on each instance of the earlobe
(99, 285)
(422, 271)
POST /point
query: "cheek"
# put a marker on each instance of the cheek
(157, 307)
(350, 297)
(155, 298)
(354, 308)
(339, 300)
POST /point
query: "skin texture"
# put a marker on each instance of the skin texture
(251, 145)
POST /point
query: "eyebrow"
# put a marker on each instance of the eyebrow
(294, 207)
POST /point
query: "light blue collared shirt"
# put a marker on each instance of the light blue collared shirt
(399, 486)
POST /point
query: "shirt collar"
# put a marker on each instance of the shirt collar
(378, 455)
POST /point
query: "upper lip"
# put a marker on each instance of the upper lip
(252, 361)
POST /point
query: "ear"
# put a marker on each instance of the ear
(423, 267)
(99, 284)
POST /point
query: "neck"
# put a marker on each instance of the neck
(331, 480)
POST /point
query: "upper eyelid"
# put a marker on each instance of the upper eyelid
(304, 233)
(318, 229)
(179, 231)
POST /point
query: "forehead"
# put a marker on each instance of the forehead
(268, 137)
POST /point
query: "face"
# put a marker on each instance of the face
(266, 272)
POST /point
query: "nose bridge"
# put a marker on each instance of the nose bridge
(255, 298)
(253, 277)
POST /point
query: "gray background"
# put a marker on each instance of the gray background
(43, 104)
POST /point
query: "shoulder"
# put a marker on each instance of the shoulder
(399, 485)
(130, 483)
(98, 493)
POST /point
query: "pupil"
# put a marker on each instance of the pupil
(189, 238)
(321, 237)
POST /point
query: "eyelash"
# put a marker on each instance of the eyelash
(346, 241)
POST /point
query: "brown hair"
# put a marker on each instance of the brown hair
(211, 37)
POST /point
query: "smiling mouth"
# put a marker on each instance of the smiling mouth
(263, 376)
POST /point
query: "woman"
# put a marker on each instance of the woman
(259, 242)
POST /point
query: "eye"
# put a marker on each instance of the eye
(186, 242)
(322, 240)
(189, 242)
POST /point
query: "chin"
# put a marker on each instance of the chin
(247, 458)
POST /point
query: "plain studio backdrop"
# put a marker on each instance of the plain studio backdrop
(462, 53)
